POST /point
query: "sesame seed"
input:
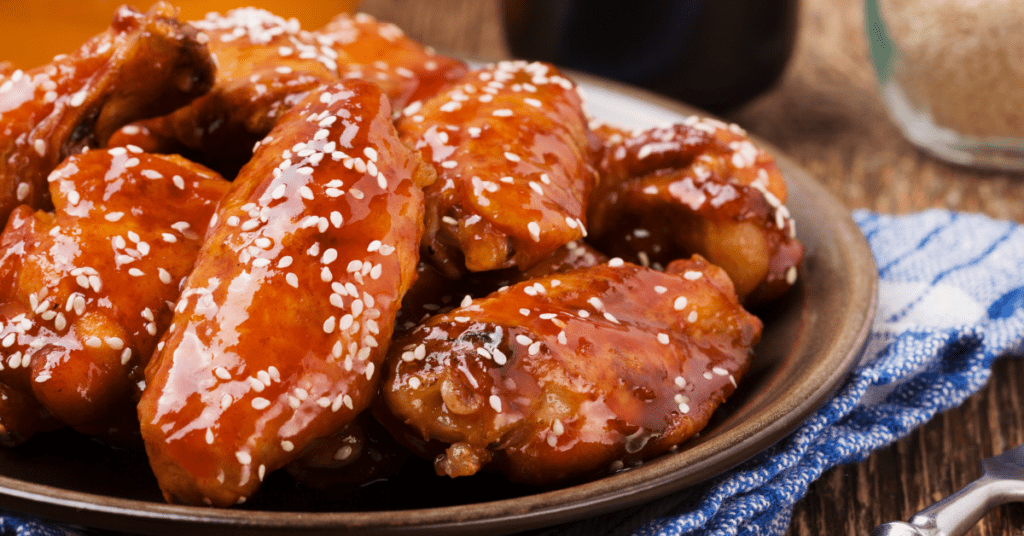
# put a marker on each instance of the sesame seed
(660, 289)
(680, 303)
(244, 457)
(692, 317)
(692, 275)
(534, 229)
(616, 262)
(663, 338)
(260, 403)
(495, 402)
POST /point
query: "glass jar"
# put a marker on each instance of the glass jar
(951, 73)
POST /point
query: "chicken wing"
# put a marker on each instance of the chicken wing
(573, 374)
(510, 135)
(698, 187)
(281, 329)
(265, 64)
(144, 65)
(381, 53)
(84, 290)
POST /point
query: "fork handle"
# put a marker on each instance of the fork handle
(957, 513)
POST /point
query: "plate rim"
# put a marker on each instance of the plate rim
(530, 511)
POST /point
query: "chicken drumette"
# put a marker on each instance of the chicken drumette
(280, 333)
(84, 290)
(142, 66)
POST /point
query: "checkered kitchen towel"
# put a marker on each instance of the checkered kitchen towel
(951, 300)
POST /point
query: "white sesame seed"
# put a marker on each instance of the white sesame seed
(260, 403)
(244, 457)
(534, 229)
(692, 317)
(680, 303)
(495, 403)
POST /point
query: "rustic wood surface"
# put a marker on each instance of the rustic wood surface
(825, 113)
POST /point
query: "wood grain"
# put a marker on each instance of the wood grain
(825, 113)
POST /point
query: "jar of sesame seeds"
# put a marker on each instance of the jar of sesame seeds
(951, 74)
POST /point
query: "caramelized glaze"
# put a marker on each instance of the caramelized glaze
(144, 65)
(509, 135)
(381, 53)
(84, 291)
(281, 329)
(697, 187)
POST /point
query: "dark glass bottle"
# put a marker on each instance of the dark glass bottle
(714, 54)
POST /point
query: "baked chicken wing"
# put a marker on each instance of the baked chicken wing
(697, 187)
(280, 333)
(381, 53)
(570, 375)
(511, 148)
(84, 290)
(144, 65)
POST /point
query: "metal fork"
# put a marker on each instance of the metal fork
(1001, 482)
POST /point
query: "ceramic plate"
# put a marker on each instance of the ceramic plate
(811, 340)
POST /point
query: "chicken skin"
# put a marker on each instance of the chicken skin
(144, 65)
(84, 290)
(698, 187)
(570, 375)
(281, 330)
(509, 135)
(381, 53)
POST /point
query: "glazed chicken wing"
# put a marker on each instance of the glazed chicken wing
(511, 148)
(699, 187)
(281, 329)
(143, 65)
(572, 374)
(84, 290)
(381, 53)
(265, 64)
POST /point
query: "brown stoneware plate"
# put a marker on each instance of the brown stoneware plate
(811, 340)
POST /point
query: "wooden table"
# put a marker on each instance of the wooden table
(825, 113)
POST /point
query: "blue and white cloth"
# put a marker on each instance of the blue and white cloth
(951, 301)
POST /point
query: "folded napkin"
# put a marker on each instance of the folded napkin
(951, 300)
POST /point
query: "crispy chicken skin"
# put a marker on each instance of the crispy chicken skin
(572, 374)
(281, 330)
(265, 64)
(144, 65)
(84, 290)
(697, 187)
(381, 53)
(509, 135)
